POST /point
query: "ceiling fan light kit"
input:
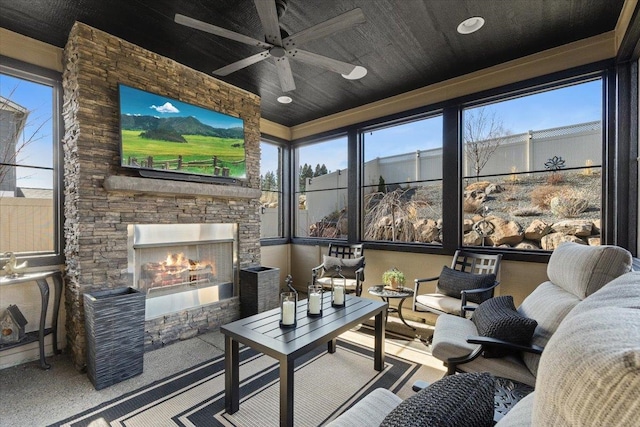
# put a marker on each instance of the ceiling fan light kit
(283, 47)
(357, 73)
(471, 25)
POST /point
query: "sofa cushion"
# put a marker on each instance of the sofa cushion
(497, 318)
(369, 411)
(582, 269)
(589, 373)
(457, 400)
(451, 282)
(575, 271)
(349, 266)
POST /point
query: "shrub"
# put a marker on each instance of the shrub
(530, 211)
(568, 207)
(555, 178)
(541, 196)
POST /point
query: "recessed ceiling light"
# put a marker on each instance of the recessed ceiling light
(357, 73)
(285, 99)
(471, 25)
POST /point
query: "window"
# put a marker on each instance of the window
(321, 189)
(271, 186)
(402, 183)
(29, 165)
(532, 173)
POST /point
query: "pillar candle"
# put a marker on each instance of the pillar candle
(314, 303)
(288, 312)
(338, 295)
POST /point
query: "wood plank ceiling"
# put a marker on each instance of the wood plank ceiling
(404, 44)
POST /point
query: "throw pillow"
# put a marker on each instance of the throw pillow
(498, 318)
(462, 400)
(349, 266)
(451, 282)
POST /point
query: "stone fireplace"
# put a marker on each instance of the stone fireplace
(105, 203)
(182, 266)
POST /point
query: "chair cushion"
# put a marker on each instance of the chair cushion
(451, 282)
(349, 266)
(440, 303)
(498, 318)
(450, 340)
(350, 284)
(582, 269)
(457, 400)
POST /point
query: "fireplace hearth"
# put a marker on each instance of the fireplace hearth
(182, 266)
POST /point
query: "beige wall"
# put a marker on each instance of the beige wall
(516, 278)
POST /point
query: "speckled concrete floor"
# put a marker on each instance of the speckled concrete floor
(30, 396)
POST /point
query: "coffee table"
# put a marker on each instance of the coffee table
(388, 294)
(263, 333)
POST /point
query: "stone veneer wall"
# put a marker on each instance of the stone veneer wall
(96, 219)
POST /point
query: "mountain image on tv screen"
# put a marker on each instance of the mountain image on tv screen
(161, 133)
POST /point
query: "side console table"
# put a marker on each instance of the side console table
(41, 280)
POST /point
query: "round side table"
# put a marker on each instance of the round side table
(387, 294)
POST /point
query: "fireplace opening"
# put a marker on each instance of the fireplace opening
(182, 266)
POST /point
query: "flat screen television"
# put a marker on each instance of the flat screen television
(174, 139)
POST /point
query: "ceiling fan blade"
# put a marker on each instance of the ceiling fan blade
(238, 65)
(321, 61)
(218, 31)
(269, 18)
(286, 76)
(323, 29)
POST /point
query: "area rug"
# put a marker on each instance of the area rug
(325, 385)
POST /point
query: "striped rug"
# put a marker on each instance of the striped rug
(325, 385)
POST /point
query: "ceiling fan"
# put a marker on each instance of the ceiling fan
(281, 46)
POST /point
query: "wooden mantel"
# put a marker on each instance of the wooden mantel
(128, 184)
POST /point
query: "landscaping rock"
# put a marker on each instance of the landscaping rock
(578, 227)
(551, 241)
(527, 245)
(536, 230)
(427, 231)
(509, 232)
(471, 239)
(494, 188)
(467, 225)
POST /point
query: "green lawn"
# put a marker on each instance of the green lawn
(197, 148)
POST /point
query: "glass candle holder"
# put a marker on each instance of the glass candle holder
(288, 304)
(338, 292)
(314, 301)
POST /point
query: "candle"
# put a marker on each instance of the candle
(314, 303)
(338, 295)
(288, 312)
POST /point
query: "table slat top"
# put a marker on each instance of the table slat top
(262, 331)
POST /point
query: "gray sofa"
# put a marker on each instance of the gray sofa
(588, 375)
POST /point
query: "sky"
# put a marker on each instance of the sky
(141, 103)
(561, 107)
(37, 146)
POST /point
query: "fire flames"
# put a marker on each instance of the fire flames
(176, 269)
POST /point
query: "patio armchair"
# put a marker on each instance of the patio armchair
(459, 289)
(351, 262)
(502, 340)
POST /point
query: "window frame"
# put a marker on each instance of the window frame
(53, 79)
(420, 115)
(318, 139)
(284, 211)
(613, 218)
